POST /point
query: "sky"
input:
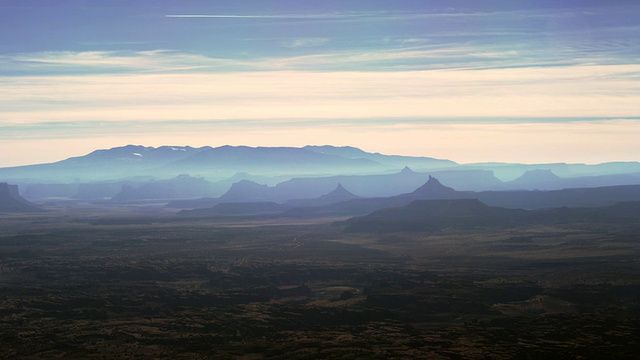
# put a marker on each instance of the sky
(471, 81)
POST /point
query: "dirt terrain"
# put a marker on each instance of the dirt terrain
(103, 283)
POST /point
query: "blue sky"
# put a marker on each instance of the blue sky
(525, 81)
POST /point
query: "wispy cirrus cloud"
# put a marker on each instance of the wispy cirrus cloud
(357, 16)
(391, 15)
(270, 16)
(304, 42)
(70, 62)
(412, 57)
(471, 21)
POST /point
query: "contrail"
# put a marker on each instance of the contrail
(224, 16)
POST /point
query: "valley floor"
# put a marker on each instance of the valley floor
(101, 286)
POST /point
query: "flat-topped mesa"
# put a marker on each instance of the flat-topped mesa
(248, 191)
(11, 201)
(8, 190)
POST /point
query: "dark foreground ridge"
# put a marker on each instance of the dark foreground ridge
(435, 215)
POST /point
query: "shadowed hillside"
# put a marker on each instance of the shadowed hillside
(433, 215)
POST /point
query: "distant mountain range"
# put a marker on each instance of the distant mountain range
(281, 174)
(382, 192)
(214, 163)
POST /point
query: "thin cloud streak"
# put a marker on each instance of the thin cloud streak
(69, 130)
(113, 61)
(280, 16)
(392, 15)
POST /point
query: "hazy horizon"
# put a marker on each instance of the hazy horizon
(468, 81)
